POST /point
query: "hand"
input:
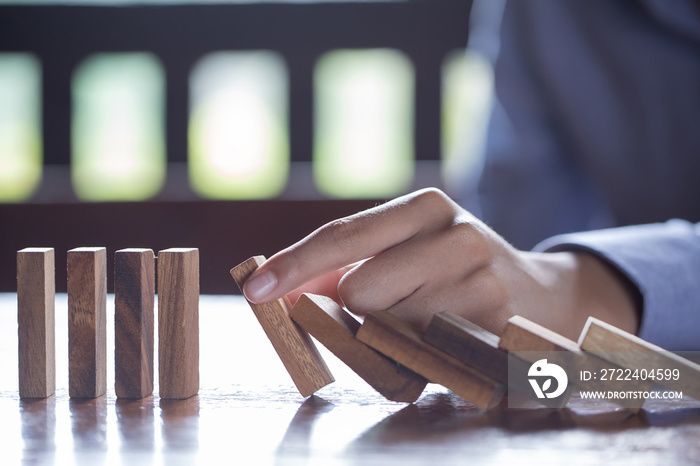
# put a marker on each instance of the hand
(422, 253)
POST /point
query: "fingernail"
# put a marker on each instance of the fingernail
(258, 288)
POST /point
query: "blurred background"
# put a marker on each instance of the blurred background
(234, 127)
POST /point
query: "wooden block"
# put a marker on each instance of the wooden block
(402, 342)
(524, 335)
(134, 293)
(335, 328)
(469, 343)
(479, 349)
(87, 322)
(178, 323)
(629, 351)
(294, 346)
(528, 338)
(36, 289)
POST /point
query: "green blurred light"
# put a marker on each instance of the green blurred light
(118, 127)
(21, 151)
(363, 138)
(238, 131)
(467, 91)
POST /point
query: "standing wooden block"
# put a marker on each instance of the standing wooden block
(335, 328)
(36, 289)
(87, 322)
(629, 351)
(469, 343)
(294, 346)
(525, 336)
(134, 290)
(178, 323)
(401, 342)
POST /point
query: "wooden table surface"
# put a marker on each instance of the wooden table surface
(248, 412)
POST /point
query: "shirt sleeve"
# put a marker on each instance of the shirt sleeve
(529, 159)
(663, 261)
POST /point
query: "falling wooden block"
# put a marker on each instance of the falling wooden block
(469, 343)
(294, 346)
(401, 342)
(631, 352)
(178, 323)
(87, 322)
(134, 290)
(528, 338)
(335, 328)
(36, 289)
(479, 349)
(521, 334)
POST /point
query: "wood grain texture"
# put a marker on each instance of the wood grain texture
(526, 336)
(469, 343)
(335, 328)
(629, 351)
(403, 343)
(87, 322)
(36, 290)
(521, 334)
(293, 346)
(178, 323)
(134, 293)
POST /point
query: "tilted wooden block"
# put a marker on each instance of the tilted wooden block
(335, 328)
(178, 323)
(469, 343)
(294, 346)
(526, 336)
(479, 349)
(87, 322)
(36, 290)
(629, 351)
(134, 290)
(402, 342)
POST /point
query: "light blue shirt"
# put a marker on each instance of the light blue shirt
(596, 124)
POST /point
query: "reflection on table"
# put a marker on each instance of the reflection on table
(248, 411)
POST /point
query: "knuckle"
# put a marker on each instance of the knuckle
(350, 292)
(440, 208)
(492, 290)
(288, 265)
(343, 234)
(468, 238)
(432, 197)
(494, 287)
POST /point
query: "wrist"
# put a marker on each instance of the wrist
(606, 293)
(571, 286)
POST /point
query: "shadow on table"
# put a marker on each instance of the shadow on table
(445, 412)
(444, 420)
(449, 420)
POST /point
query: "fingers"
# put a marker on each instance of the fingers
(481, 298)
(396, 273)
(349, 240)
(325, 285)
(426, 274)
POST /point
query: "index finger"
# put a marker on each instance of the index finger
(349, 240)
